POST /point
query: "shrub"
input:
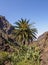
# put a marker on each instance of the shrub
(26, 55)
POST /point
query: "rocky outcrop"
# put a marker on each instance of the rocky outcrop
(43, 44)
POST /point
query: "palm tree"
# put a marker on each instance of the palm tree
(24, 32)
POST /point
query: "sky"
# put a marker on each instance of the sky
(33, 10)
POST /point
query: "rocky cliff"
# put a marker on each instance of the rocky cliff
(43, 44)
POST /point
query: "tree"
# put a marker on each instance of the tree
(24, 31)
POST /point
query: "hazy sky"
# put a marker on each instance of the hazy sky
(35, 10)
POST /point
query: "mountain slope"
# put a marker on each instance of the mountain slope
(43, 44)
(6, 37)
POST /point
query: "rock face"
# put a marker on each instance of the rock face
(43, 44)
(5, 25)
(5, 34)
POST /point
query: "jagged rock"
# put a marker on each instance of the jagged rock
(5, 25)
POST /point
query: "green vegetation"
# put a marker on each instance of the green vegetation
(25, 56)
